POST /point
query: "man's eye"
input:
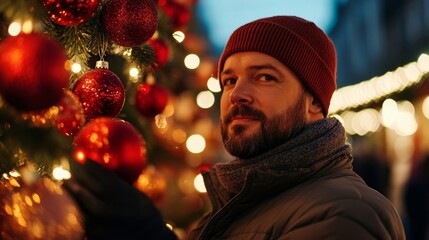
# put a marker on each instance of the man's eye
(229, 81)
(267, 77)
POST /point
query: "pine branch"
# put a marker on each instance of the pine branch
(99, 43)
(21, 142)
(143, 56)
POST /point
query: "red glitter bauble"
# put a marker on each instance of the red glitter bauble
(32, 71)
(101, 93)
(115, 144)
(70, 116)
(178, 13)
(130, 23)
(67, 116)
(151, 100)
(70, 12)
(161, 50)
(38, 208)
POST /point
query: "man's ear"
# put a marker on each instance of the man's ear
(314, 109)
(314, 106)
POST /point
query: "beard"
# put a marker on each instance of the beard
(272, 132)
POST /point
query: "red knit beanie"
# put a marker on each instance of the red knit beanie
(299, 44)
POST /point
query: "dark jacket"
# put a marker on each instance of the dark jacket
(334, 203)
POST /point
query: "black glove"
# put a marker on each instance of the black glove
(113, 208)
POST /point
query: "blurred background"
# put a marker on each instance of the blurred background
(172, 95)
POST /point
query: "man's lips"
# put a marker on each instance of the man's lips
(243, 119)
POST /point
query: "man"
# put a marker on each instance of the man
(292, 177)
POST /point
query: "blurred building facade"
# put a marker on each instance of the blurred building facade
(373, 37)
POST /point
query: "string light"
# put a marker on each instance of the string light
(192, 61)
(213, 84)
(205, 99)
(379, 87)
(14, 28)
(179, 36)
(196, 143)
(76, 67)
(199, 184)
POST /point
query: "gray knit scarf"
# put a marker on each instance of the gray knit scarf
(319, 144)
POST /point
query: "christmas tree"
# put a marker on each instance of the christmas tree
(101, 79)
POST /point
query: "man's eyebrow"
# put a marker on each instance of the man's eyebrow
(264, 66)
(254, 67)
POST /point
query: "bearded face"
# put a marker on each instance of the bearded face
(244, 141)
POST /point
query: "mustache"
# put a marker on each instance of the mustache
(244, 110)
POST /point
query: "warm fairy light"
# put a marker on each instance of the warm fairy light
(199, 184)
(150, 79)
(205, 99)
(59, 173)
(14, 174)
(179, 136)
(27, 26)
(196, 143)
(347, 117)
(14, 29)
(360, 123)
(425, 107)
(213, 85)
(80, 156)
(192, 61)
(379, 87)
(389, 112)
(179, 36)
(134, 72)
(169, 226)
(406, 123)
(365, 121)
(399, 117)
(168, 110)
(127, 53)
(161, 121)
(76, 67)
(423, 62)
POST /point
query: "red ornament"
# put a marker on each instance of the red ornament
(151, 100)
(113, 143)
(161, 50)
(70, 116)
(129, 23)
(67, 116)
(70, 12)
(178, 13)
(38, 209)
(101, 93)
(32, 72)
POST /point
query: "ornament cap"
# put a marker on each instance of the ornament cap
(102, 64)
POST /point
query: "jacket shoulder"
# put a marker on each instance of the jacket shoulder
(341, 201)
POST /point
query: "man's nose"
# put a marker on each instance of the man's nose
(241, 93)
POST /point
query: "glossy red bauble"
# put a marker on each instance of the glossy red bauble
(151, 100)
(177, 12)
(38, 209)
(161, 50)
(101, 93)
(114, 143)
(70, 12)
(129, 23)
(71, 117)
(32, 71)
